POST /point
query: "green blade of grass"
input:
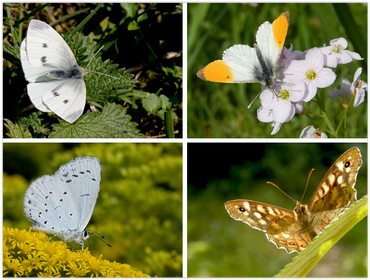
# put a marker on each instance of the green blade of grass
(319, 246)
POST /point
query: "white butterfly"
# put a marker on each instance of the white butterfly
(56, 81)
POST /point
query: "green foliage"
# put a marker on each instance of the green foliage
(130, 9)
(16, 130)
(27, 127)
(158, 105)
(220, 110)
(113, 122)
(168, 120)
(139, 208)
(132, 41)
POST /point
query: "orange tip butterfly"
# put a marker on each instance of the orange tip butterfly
(243, 64)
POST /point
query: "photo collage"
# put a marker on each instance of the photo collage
(185, 140)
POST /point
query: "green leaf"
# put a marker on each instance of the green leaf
(166, 104)
(34, 121)
(142, 15)
(320, 245)
(168, 124)
(133, 25)
(152, 104)
(129, 8)
(178, 72)
(112, 122)
(16, 130)
(161, 113)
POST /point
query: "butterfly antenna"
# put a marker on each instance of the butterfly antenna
(99, 236)
(94, 56)
(254, 99)
(99, 72)
(104, 74)
(307, 184)
(280, 190)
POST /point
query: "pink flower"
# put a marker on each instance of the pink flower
(312, 72)
(347, 90)
(337, 51)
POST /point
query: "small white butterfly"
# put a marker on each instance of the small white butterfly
(62, 204)
(55, 80)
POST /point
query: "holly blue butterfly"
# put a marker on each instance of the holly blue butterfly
(62, 204)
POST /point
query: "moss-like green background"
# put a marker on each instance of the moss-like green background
(139, 208)
(219, 246)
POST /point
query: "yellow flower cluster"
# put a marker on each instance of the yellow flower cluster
(32, 254)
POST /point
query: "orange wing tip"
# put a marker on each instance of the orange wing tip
(280, 29)
(217, 71)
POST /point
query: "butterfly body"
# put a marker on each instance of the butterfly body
(293, 230)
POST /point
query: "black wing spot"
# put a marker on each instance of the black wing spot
(347, 164)
(66, 101)
(68, 181)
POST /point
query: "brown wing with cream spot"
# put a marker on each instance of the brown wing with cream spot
(336, 191)
(279, 224)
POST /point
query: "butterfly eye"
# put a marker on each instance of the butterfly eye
(347, 164)
(241, 209)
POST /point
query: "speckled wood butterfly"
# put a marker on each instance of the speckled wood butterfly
(293, 230)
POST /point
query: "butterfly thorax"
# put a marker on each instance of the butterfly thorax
(307, 220)
(73, 235)
(75, 72)
(302, 214)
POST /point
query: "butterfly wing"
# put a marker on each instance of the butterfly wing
(50, 205)
(60, 97)
(271, 37)
(82, 176)
(236, 66)
(337, 190)
(56, 82)
(279, 224)
(44, 47)
(32, 74)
